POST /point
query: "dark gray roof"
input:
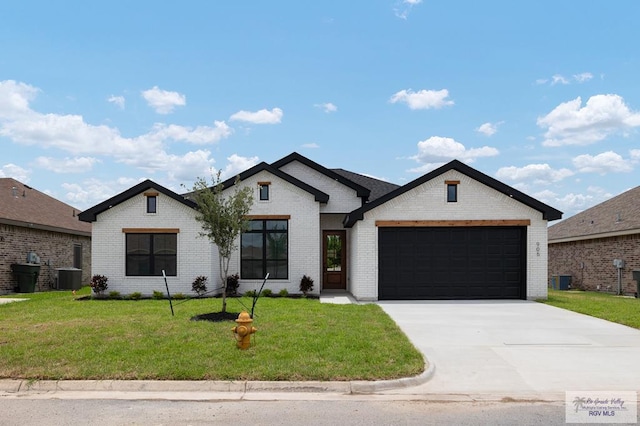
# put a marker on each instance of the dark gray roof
(620, 214)
(377, 187)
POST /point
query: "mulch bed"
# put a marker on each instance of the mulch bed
(216, 316)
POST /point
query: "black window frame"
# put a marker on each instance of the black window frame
(152, 257)
(152, 204)
(277, 266)
(264, 192)
(452, 193)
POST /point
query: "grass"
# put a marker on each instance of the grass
(623, 310)
(54, 336)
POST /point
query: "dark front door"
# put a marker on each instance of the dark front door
(334, 256)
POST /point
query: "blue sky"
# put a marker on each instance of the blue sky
(544, 96)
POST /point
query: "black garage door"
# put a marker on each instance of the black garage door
(451, 263)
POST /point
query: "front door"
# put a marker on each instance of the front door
(334, 256)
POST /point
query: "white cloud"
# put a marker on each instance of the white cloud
(198, 135)
(92, 191)
(571, 124)
(423, 99)
(488, 129)
(71, 134)
(539, 174)
(238, 164)
(66, 165)
(403, 8)
(117, 100)
(635, 154)
(327, 107)
(606, 162)
(16, 172)
(263, 116)
(558, 79)
(437, 150)
(312, 145)
(583, 77)
(15, 98)
(163, 101)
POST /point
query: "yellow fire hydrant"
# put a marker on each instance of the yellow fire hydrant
(243, 330)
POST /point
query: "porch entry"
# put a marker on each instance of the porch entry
(334, 260)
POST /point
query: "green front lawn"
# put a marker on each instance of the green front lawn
(623, 310)
(54, 336)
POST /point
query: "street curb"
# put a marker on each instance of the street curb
(352, 387)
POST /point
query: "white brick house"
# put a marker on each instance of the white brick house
(453, 233)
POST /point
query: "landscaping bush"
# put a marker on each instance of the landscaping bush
(233, 282)
(284, 292)
(250, 293)
(99, 284)
(158, 295)
(199, 285)
(306, 284)
(135, 296)
(115, 295)
(267, 292)
(178, 296)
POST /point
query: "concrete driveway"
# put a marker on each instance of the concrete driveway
(517, 348)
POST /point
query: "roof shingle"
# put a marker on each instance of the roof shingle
(620, 214)
(22, 205)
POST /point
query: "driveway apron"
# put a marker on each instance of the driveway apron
(517, 348)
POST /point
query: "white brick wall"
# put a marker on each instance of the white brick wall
(304, 232)
(342, 199)
(108, 245)
(428, 202)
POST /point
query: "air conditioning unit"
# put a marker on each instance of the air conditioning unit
(68, 278)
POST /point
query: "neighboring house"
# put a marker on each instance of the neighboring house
(585, 246)
(31, 221)
(453, 233)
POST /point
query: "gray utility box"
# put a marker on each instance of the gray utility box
(69, 278)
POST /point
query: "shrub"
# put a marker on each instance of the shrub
(99, 284)
(283, 293)
(233, 282)
(178, 296)
(158, 295)
(114, 295)
(267, 292)
(306, 284)
(135, 296)
(199, 285)
(250, 293)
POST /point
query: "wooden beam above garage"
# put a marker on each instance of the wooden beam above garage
(447, 223)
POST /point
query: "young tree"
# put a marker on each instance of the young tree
(222, 218)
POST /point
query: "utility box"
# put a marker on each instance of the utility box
(69, 278)
(26, 275)
(636, 277)
(564, 282)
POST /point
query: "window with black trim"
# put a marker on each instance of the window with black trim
(264, 191)
(149, 254)
(264, 249)
(152, 204)
(452, 192)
